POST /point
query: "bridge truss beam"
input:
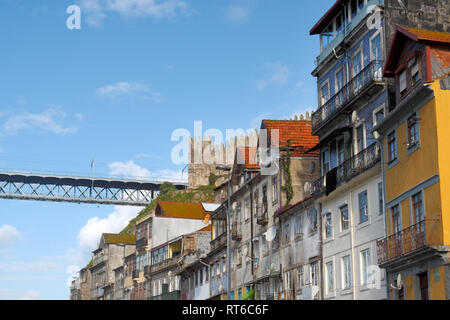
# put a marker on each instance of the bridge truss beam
(78, 189)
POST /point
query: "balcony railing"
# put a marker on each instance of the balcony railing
(236, 233)
(371, 73)
(135, 274)
(262, 216)
(351, 168)
(141, 242)
(420, 235)
(164, 264)
(98, 260)
(219, 241)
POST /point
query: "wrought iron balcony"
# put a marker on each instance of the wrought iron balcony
(164, 264)
(350, 168)
(236, 232)
(420, 235)
(219, 241)
(99, 260)
(348, 95)
(135, 274)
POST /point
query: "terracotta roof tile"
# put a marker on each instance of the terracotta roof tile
(247, 156)
(180, 210)
(119, 238)
(297, 131)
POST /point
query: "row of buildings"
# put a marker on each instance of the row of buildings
(357, 206)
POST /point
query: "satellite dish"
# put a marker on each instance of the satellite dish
(355, 117)
(270, 234)
(169, 273)
(220, 288)
(272, 267)
(234, 205)
(399, 281)
(376, 135)
(307, 187)
(245, 251)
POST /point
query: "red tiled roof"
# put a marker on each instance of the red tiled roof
(425, 35)
(184, 210)
(247, 156)
(298, 132)
(432, 38)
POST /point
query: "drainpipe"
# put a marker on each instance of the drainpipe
(250, 187)
(352, 242)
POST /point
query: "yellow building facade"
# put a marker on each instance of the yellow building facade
(415, 134)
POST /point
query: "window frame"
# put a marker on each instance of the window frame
(361, 221)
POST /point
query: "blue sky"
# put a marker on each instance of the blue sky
(115, 90)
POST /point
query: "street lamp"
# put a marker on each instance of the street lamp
(228, 169)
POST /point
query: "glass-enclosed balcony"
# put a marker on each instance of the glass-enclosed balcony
(360, 15)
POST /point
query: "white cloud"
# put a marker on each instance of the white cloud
(79, 116)
(97, 10)
(17, 295)
(131, 170)
(135, 89)
(90, 233)
(28, 266)
(8, 235)
(31, 295)
(278, 74)
(48, 120)
(237, 13)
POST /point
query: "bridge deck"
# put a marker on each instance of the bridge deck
(16, 185)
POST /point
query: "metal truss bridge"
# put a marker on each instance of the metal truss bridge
(23, 186)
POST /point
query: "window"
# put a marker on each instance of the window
(413, 131)
(356, 63)
(264, 199)
(298, 225)
(340, 152)
(375, 47)
(360, 138)
(380, 199)
(287, 231)
(339, 23)
(379, 116)
(346, 273)
(328, 226)
(402, 82)
(301, 279)
(345, 222)
(206, 275)
(363, 207)
(417, 204)
(325, 161)
(314, 274)
(264, 241)
(392, 147)
(330, 277)
(312, 220)
(218, 268)
(396, 223)
(201, 276)
(339, 79)
(324, 94)
(238, 213)
(247, 209)
(224, 266)
(274, 190)
(365, 263)
(413, 66)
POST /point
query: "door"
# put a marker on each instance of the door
(423, 281)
